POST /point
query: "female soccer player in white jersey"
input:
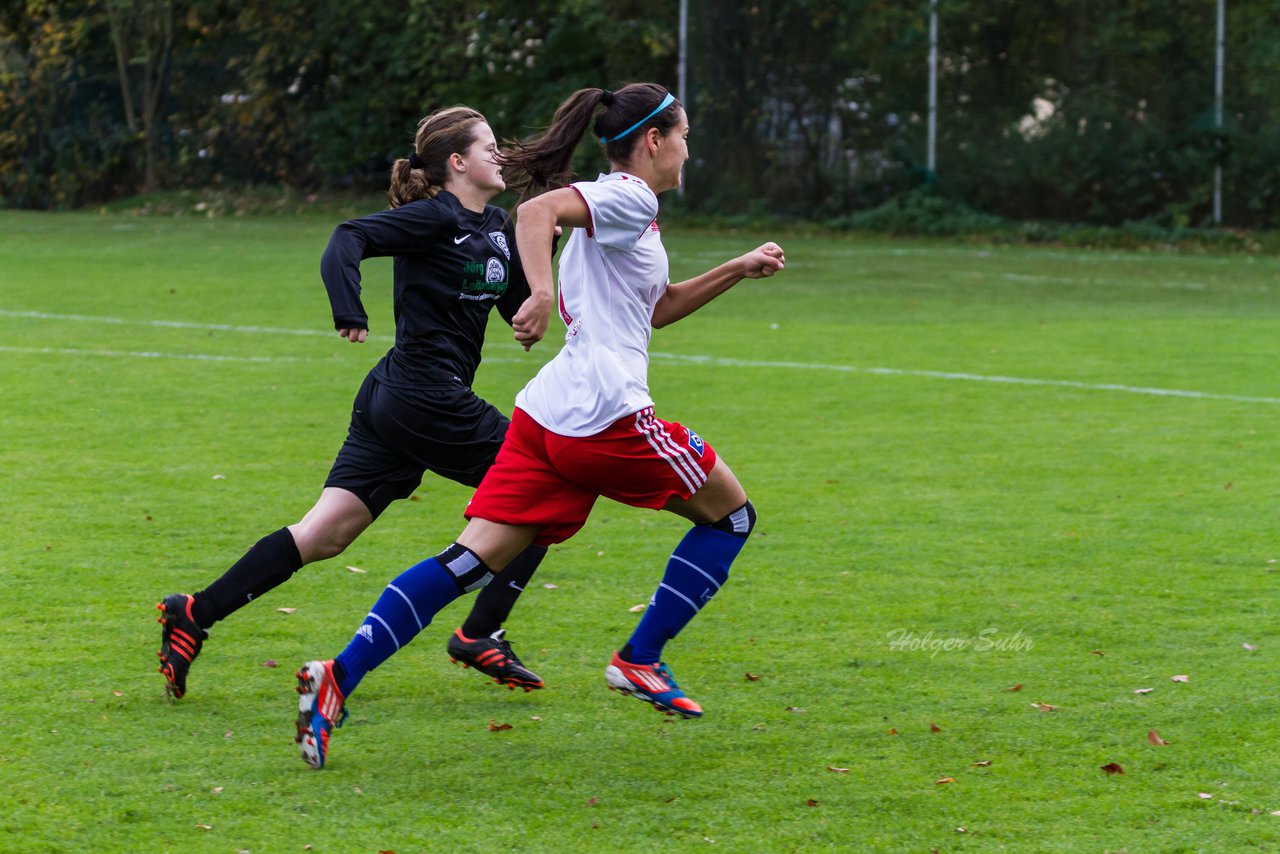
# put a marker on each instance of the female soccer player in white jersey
(585, 425)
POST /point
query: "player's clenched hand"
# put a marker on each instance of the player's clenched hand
(530, 322)
(355, 336)
(764, 260)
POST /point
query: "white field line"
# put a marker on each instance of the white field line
(169, 324)
(147, 354)
(952, 375)
(1107, 283)
(1145, 259)
(714, 361)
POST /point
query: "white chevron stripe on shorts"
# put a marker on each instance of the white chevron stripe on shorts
(680, 458)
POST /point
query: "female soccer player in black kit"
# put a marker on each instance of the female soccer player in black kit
(454, 261)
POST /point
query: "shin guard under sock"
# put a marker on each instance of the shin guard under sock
(697, 569)
(406, 607)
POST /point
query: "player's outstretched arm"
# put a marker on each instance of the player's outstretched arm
(537, 222)
(684, 298)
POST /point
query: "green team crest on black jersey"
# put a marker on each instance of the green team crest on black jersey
(488, 277)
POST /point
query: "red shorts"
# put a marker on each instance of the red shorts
(545, 479)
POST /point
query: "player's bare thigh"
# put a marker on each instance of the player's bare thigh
(717, 498)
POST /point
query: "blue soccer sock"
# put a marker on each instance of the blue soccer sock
(405, 608)
(696, 571)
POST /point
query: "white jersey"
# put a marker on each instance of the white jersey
(612, 274)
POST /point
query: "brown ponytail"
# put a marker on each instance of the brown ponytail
(543, 163)
(446, 131)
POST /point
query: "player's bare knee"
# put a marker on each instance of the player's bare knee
(323, 544)
(740, 522)
(329, 547)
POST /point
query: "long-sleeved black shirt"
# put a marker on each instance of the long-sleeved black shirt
(452, 265)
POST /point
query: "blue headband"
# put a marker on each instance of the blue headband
(666, 102)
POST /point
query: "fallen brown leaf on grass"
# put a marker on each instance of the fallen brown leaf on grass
(751, 677)
(1044, 707)
(837, 770)
(1112, 768)
(811, 803)
(892, 731)
(983, 764)
(934, 728)
(1017, 687)
(494, 726)
(1154, 738)
(944, 781)
(1097, 652)
(118, 693)
(592, 801)
(270, 662)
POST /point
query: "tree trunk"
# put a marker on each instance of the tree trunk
(118, 39)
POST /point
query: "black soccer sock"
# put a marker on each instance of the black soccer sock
(270, 563)
(494, 603)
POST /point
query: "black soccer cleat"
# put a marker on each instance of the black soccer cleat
(180, 641)
(493, 657)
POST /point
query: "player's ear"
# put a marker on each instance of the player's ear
(652, 139)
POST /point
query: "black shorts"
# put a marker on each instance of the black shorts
(394, 438)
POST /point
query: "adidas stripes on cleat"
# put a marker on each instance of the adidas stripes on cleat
(320, 709)
(180, 641)
(652, 683)
(493, 657)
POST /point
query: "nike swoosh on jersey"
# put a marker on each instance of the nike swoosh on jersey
(460, 239)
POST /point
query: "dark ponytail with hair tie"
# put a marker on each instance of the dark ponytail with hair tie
(545, 162)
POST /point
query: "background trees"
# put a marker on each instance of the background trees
(1079, 110)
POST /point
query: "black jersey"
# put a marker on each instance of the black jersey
(452, 265)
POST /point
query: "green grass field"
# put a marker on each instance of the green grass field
(976, 469)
